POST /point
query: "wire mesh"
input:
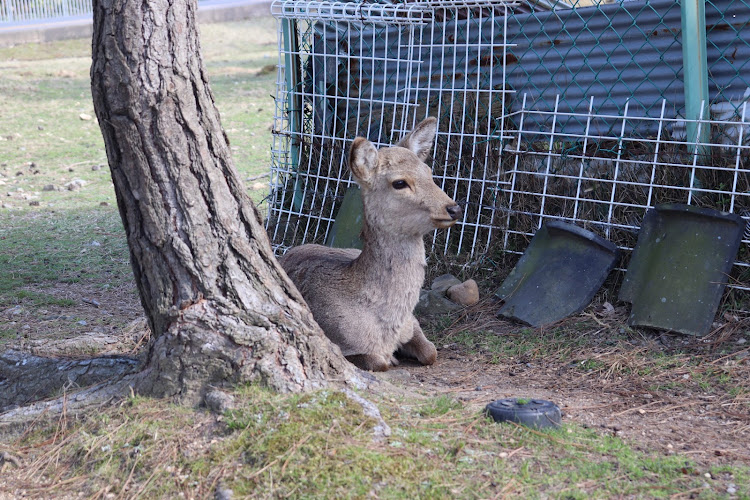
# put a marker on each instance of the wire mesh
(605, 178)
(570, 114)
(350, 75)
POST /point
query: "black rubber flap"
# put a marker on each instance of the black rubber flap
(537, 413)
(348, 223)
(680, 267)
(558, 275)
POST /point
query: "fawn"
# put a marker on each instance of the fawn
(364, 300)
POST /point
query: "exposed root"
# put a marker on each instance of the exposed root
(18, 419)
(25, 377)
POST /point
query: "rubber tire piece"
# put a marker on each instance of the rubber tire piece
(536, 413)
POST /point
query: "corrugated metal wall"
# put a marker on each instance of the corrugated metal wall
(614, 52)
(622, 51)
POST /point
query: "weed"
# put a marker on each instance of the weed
(43, 299)
(438, 406)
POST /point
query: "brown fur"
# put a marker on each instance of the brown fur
(364, 300)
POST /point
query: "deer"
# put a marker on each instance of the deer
(364, 300)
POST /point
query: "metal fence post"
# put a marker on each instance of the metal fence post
(695, 70)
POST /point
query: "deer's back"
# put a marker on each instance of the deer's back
(350, 313)
(312, 266)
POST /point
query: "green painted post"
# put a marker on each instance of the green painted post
(294, 108)
(695, 69)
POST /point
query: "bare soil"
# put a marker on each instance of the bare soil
(662, 393)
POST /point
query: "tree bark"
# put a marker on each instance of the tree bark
(220, 307)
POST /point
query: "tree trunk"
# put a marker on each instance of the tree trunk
(220, 307)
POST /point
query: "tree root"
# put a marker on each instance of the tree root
(381, 430)
(25, 377)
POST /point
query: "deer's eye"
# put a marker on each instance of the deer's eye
(400, 184)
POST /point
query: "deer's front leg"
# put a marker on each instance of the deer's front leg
(369, 362)
(419, 347)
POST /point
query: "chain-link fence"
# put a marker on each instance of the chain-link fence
(545, 111)
(627, 52)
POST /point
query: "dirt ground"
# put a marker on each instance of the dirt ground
(663, 393)
(695, 404)
(691, 424)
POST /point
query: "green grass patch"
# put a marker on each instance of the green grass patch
(38, 249)
(321, 445)
(524, 343)
(43, 299)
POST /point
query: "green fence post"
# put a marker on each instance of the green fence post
(293, 104)
(695, 70)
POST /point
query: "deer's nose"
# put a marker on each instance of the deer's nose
(454, 211)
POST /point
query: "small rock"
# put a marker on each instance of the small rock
(19, 173)
(741, 341)
(433, 303)
(39, 127)
(7, 205)
(51, 187)
(85, 116)
(70, 169)
(731, 488)
(75, 184)
(219, 401)
(466, 294)
(444, 282)
(82, 322)
(103, 204)
(223, 493)
(257, 186)
(96, 167)
(34, 203)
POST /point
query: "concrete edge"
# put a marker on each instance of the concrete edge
(82, 28)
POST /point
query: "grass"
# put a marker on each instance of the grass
(304, 446)
(321, 445)
(65, 246)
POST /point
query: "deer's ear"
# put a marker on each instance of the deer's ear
(363, 159)
(420, 140)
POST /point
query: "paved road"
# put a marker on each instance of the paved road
(209, 11)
